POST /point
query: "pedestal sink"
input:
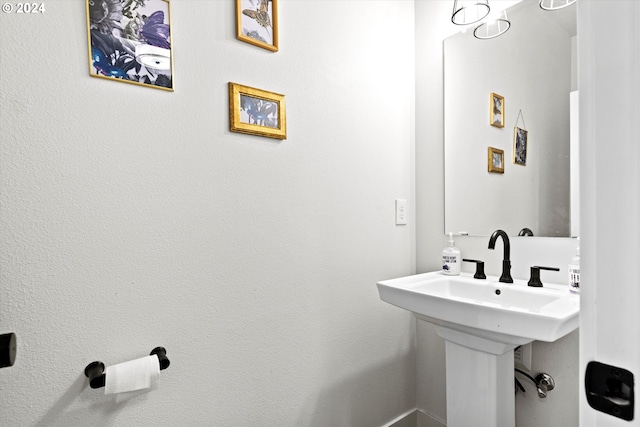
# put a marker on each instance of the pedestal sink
(482, 322)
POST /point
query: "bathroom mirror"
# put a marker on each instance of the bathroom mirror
(532, 67)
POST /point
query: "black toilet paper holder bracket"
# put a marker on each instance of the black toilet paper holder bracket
(95, 370)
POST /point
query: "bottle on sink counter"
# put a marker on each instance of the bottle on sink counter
(451, 258)
(574, 272)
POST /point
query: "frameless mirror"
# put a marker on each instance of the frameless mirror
(532, 66)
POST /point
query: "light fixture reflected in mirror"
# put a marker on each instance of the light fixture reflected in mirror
(467, 12)
(555, 4)
(493, 27)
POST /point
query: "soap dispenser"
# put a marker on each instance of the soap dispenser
(574, 271)
(451, 258)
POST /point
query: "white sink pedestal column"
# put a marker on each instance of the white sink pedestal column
(480, 380)
(482, 321)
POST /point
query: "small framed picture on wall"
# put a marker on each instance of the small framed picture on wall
(257, 23)
(520, 146)
(257, 112)
(496, 160)
(496, 110)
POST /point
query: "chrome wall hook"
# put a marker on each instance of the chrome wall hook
(544, 384)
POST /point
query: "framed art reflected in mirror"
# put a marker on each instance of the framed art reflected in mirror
(496, 108)
(496, 160)
(520, 146)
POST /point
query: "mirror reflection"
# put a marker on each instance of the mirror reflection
(507, 126)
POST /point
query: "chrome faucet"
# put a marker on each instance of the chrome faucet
(506, 262)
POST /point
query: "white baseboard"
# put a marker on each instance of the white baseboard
(416, 418)
(408, 419)
(428, 420)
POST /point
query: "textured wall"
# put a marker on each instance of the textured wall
(130, 218)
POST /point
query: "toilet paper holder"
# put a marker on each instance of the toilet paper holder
(95, 370)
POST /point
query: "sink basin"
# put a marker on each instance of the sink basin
(509, 313)
(482, 321)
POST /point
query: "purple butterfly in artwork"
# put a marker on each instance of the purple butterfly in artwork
(155, 32)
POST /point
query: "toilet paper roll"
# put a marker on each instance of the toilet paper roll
(138, 374)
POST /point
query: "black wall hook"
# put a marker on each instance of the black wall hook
(95, 370)
(8, 349)
(162, 357)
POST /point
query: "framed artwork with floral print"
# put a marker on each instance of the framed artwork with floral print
(257, 112)
(130, 41)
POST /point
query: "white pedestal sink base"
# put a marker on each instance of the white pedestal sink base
(480, 388)
(480, 384)
(482, 322)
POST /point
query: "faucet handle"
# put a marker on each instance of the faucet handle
(479, 268)
(525, 232)
(535, 281)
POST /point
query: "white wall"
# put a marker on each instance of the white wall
(432, 26)
(131, 217)
(558, 359)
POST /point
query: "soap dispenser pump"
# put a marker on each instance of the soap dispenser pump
(451, 258)
(574, 271)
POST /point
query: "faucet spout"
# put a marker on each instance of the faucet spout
(505, 277)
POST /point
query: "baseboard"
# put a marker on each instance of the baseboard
(428, 420)
(416, 418)
(408, 419)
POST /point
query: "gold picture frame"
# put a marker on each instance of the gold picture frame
(257, 112)
(257, 23)
(496, 110)
(496, 160)
(131, 42)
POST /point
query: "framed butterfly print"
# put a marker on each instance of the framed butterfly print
(496, 110)
(257, 112)
(130, 41)
(257, 23)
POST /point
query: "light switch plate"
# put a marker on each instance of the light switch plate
(401, 212)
